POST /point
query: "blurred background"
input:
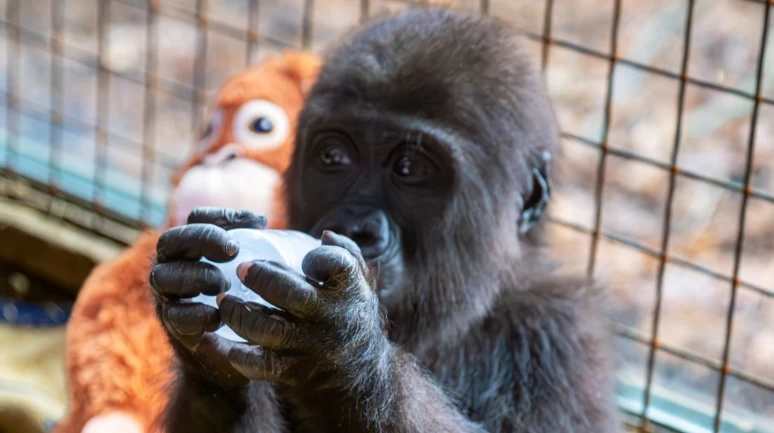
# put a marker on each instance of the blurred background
(667, 112)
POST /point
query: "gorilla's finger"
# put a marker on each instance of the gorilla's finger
(330, 238)
(227, 218)
(258, 364)
(191, 320)
(194, 241)
(280, 286)
(334, 239)
(257, 325)
(188, 279)
(332, 265)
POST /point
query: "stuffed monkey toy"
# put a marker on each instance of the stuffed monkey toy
(118, 357)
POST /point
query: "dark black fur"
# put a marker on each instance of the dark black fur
(481, 334)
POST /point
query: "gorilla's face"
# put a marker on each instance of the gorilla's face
(379, 183)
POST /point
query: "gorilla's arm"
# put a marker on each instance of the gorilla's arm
(208, 394)
(537, 363)
(400, 398)
(329, 347)
(199, 405)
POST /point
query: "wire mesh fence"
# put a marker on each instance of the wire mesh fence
(667, 112)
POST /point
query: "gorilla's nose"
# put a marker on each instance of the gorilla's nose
(367, 226)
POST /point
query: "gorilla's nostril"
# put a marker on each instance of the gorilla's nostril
(372, 244)
(365, 239)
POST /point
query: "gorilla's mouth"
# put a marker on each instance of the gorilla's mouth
(393, 250)
(385, 258)
(387, 270)
(377, 236)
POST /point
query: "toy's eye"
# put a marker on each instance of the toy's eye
(261, 124)
(212, 130)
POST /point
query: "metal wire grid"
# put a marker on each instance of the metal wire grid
(104, 137)
(93, 215)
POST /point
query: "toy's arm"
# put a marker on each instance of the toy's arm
(118, 357)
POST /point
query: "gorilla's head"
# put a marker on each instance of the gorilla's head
(433, 155)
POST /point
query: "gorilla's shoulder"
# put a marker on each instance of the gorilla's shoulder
(552, 296)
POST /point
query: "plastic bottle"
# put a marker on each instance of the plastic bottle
(284, 246)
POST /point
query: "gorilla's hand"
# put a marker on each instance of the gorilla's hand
(178, 275)
(330, 327)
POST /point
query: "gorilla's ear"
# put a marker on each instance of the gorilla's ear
(301, 66)
(537, 194)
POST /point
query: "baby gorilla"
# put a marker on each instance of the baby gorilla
(423, 159)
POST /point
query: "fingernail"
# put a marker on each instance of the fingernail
(219, 299)
(328, 237)
(231, 247)
(242, 270)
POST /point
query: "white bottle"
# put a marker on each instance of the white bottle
(284, 246)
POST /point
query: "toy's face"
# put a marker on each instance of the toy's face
(245, 146)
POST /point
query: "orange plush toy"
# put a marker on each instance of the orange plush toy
(118, 357)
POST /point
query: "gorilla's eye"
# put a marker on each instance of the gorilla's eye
(413, 168)
(333, 156)
(262, 125)
(403, 167)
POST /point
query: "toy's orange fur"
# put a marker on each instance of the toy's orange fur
(118, 358)
(117, 353)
